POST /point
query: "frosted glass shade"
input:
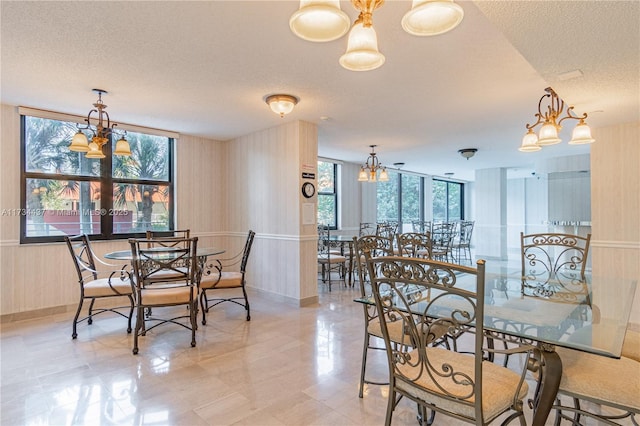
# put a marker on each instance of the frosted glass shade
(79, 143)
(432, 17)
(548, 135)
(362, 50)
(384, 176)
(122, 148)
(281, 104)
(319, 20)
(363, 176)
(530, 142)
(95, 151)
(581, 134)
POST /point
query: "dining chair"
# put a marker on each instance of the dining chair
(421, 226)
(415, 244)
(462, 242)
(425, 294)
(155, 288)
(168, 235)
(609, 382)
(367, 228)
(108, 282)
(328, 258)
(377, 246)
(223, 277)
(442, 236)
(553, 263)
(387, 229)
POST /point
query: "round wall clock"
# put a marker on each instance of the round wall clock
(308, 190)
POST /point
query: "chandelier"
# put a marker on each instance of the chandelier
(368, 171)
(323, 20)
(551, 125)
(103, 130)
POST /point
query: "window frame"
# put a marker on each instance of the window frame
(105, 179)
(333, 194)
(446, 209)
(421, 199)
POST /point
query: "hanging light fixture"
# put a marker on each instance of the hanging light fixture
(551, 125)
(369, 170)
(103, 130)
(281, 104)
(323, 20)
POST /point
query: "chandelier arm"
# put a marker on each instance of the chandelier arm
(573, 117)
(540, 120)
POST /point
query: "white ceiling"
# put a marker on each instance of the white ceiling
(204, 67)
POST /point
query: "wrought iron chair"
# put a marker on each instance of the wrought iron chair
(367, 228)
(614, 383)
(95, 284)
(168, 235)
(442, 235)
(462, 243)
(328, 259)
(387, 229)
(376, 246)
(220, 277)
(415, 244)
(462, 385)
(421, 226)
(553, 264)
(151, 259)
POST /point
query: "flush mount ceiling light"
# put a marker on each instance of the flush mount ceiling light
(323, 20)
(468, 152)
(551, 125)
(281, 104)
(369, 170)
(101, 133)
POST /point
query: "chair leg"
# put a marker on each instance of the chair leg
(204, 305)
(130, 314)
(193, 316)
(246, 303)
(90, 320)
(391, 403)
(139, 322)
(364, 363)
(74, 334)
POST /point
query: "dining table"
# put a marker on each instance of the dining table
(590, 315)
(206, 266)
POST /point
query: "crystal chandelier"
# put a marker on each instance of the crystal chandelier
(369, 170)
(323, 20)
(551, 125)
(103, 130)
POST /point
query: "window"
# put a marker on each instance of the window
(65, 193)
(400, 199)
(327, 194)
(448, 201)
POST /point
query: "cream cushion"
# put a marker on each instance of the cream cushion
(631, 345)
(396, 331)
(177, 295)
(498, 384)
(609, 381)
(101, 287)
(332, 258)
(227, 280)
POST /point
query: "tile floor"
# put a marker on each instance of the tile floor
(287, 366)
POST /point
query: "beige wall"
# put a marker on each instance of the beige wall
(615, 208)
(222, 190)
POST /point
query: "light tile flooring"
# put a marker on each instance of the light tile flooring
(287, 366)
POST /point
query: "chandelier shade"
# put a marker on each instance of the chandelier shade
(281, 104)
(432, 17)
(103, 130)
(369, 170)
(319, 21)
(362, 50)
(552, 124)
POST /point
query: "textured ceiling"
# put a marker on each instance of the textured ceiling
(204, 68)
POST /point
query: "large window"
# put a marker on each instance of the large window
(400, 199)
(327, 194)
(448, 201)
(65, 193)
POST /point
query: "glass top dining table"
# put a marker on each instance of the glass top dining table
(589, 316)
(200, 252)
